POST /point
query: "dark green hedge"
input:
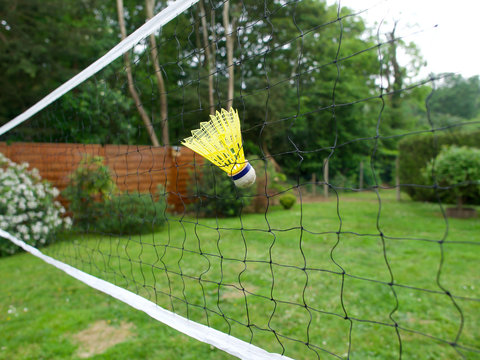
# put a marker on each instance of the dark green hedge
(414, 153)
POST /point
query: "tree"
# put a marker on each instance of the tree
(209, 53)
(44, 43)
(229, 24)
(396, 76)
(403, 107)
(292, 76)
(457, 96)
(149, 6)
(131, 85)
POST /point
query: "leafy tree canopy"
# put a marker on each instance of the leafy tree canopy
(44, 43)
(457, 96)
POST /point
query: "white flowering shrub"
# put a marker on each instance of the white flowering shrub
(28, 209)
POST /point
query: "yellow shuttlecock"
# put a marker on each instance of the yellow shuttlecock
(220, 141)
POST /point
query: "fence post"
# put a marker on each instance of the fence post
(360, 178)
(397, 177)
(102, 151)
(325, 176)
(314, 184)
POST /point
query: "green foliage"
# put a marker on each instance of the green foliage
(297, 112)
(96, 113)
(28, 209)
(130, 213)
(287, 201)
(458, 168)
(215, 193)
(90, 183)
(416, 152)
(457, 96)
(45, 43)
(97, 205)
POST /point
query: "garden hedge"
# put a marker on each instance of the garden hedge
(416, 151)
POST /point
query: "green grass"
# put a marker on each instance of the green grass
(310, 247)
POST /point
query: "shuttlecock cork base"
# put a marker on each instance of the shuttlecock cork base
(220, 141)
(245, 177)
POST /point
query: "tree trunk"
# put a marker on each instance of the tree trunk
(208, 55)
(459, 202)
(149, 6)
(397, 73)
(229, 36)
(360, 176)
(397, 178)
(198, 41)
(325, 178)
(270, 158)
(131, 86)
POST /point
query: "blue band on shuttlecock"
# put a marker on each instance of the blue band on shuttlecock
(242, 173)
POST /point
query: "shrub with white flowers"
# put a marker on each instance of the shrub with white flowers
(28, 209)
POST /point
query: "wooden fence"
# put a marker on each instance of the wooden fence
(133, 168)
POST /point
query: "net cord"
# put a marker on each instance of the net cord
(159, 20)
(220, 340)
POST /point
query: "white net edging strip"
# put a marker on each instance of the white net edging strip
(220, 340)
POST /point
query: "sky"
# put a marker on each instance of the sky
(451, 46)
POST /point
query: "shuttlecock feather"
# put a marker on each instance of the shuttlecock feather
(220, 141)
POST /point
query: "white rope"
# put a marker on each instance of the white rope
(159, 20)
(220, 340)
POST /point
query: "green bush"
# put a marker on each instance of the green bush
(416, 151)
(287, 201)
(215, 194)
(458, 168)
(28, 209)
(97, 205)
(90, 184)
(132, 213)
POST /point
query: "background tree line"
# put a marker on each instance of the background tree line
(307, 85)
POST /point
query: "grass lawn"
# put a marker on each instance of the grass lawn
(336, 284)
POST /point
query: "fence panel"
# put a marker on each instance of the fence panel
(134, 168)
